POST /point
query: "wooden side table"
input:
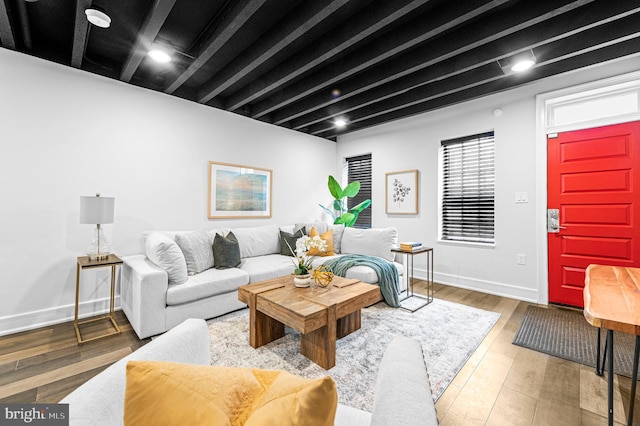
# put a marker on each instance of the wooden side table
(611, 297)
(429, 298)
(85, 263)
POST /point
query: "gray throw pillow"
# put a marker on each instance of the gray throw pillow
(226, 251)
(290, 239)
(196, 247)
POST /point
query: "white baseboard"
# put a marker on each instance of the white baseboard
(491, 287)
(45, 317)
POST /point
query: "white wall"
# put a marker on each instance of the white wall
(67, 133)
(414, 143)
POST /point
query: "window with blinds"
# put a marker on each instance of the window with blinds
(359, 169)
(468, 189)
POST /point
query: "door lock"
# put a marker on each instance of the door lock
(553, 221)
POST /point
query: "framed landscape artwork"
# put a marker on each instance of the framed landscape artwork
(238, 191)
(401, 192)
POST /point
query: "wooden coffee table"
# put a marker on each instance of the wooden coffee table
(320, 315)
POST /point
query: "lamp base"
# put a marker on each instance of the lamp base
(99, 248)
(98, 256)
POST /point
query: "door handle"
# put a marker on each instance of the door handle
(553, 221)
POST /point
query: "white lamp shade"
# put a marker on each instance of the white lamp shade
(96, 210)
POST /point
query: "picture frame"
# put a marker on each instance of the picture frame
(401, 192)
(237, 191)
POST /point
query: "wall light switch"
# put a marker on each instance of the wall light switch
(521, 197)
(521, 259)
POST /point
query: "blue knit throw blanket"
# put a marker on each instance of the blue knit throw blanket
(386, 271)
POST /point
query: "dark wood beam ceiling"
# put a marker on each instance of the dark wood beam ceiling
(243, 11)
(80, 33)
(150, 28)
(300, 64)
(481, 83)
(503, 36)
(6, 31)
(321, 51)
(270, 45)
(378, 52)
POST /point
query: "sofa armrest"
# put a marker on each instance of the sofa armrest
(100, 401)
(403, 392)
(143, 295)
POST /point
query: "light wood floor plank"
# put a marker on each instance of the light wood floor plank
(62, 373)
(512, 408)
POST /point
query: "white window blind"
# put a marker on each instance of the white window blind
(468, 189)
(359, 169)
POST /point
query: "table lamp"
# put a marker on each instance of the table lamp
(96, 211)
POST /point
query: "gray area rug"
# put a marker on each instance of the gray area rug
(567, 334)
(449, 333)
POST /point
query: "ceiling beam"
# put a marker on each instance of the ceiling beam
(80, 33)
(151, 26)
(468, 86)
(321, 51)
(626, 49)
(542, 33)
(25, 27)
(405, 38)
(238, 17)
(308, 16)
(6, 31)
(502, 24)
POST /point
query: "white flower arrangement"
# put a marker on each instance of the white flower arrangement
(303, 262)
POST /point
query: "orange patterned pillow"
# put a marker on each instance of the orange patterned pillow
(328, 237)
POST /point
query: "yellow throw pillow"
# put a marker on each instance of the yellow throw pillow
(292, 400)
(168, 393)
(328, 237)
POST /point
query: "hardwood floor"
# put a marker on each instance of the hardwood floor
(501, 384)
(46, 364)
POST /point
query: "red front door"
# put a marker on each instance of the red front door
(593, 180)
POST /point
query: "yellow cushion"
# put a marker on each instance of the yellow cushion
(168, 393)
(328, 237)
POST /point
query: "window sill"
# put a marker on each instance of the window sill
(468, 244)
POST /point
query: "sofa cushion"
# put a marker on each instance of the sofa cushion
(327, 237)
(172, 393)
(288, 242)
(360, 272)
(165, 253)
(338, 231)
(226, 251)
(196, 247)
(258, 240)
(321, 227)
(267, 267)
(207, 283)
(374, 242)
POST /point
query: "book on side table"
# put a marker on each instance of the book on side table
(410, 246)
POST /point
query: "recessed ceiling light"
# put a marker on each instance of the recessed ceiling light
(159, 55)
(98, 17)
(519, 62)
(340, 123)
(523, 65)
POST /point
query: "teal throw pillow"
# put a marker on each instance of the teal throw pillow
(226, 251)
(290, 239)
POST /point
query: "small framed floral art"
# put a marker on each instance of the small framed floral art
(401, 192)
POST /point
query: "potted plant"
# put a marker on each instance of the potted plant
(302, 262)
(345, 216)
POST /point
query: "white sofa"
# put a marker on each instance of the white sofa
(153, 304)
(402, 393)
